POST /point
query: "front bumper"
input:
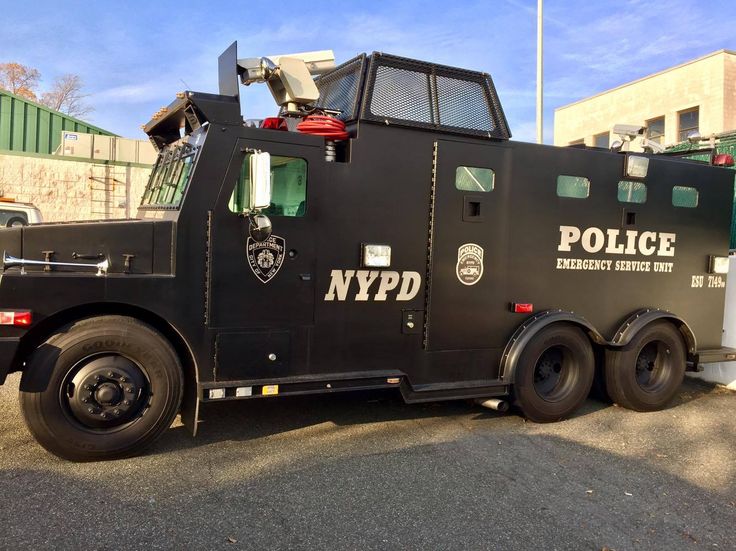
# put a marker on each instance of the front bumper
(8, 348)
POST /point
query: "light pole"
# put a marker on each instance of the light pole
(540, 100)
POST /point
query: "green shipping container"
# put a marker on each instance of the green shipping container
(26, 126)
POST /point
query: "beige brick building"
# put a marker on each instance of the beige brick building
(697, 95)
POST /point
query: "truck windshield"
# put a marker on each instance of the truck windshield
(170, 176)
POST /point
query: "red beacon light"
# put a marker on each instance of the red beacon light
(275, 123)
(522, 307)
(723, 159)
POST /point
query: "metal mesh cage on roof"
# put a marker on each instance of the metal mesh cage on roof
(413, 93)
(339, 90)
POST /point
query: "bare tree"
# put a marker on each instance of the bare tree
(19, 79)
(66, 96)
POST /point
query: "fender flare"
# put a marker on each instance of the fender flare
(531, 327)
(623, 336)
(636, 321)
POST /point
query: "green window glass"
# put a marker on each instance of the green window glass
(169, 177)
(470, 178)
(683, 196)
(288, 187)
(576, 187)
(632, 192)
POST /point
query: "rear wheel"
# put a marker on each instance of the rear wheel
(646, 373)
(554, 373)
(101, 388)
(15, 222)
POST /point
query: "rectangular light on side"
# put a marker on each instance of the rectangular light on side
(19, 319)
(243, 391)
(216, 393)
(375, 256)
(636, 167)
(718, 265)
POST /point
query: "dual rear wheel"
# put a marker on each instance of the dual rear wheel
(556, 370)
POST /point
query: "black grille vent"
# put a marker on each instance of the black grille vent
(339, 90)
(412, 93)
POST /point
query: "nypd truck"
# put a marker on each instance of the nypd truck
(381, 232)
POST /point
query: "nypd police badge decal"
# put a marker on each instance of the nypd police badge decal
(469, 267)
(266, 257)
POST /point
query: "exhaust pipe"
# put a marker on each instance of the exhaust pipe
(493, 403)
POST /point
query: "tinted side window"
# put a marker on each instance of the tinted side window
(577, 187)
(632, 192)
(683, 196)
(288, 187)
(470, 178)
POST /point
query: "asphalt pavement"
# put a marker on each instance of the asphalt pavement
(366, 471)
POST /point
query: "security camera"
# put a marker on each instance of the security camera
(628, 132)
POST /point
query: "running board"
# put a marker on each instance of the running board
(461, 390)
(714, 355)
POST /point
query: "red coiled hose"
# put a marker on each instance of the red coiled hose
(323, 125)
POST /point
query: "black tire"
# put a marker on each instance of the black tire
(101, 388)
(554, 373)
(646, 373)
(15, 222)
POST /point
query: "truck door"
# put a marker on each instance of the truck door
(268, 285)
(468, 299)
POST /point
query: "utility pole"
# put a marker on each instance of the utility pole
(540, 100)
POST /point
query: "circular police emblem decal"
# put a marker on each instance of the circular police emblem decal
(469, 267)
(266, 257)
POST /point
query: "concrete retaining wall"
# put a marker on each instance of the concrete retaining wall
(73, 189)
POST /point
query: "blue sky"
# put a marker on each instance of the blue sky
(134, 56)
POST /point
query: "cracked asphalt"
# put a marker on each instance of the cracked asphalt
(366, 471)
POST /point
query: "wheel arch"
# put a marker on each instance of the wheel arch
(40, 332)
(531, 326)
(641, 318)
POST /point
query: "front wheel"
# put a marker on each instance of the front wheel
(101, 388)
(646, 373)
(554, 373)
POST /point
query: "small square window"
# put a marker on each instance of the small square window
(683, 196)
(470, 178)
(632, 192)
(577, 187)
(602, 140)
(689, 121)
(655, 130)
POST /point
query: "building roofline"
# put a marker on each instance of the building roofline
(55, 112)
(638, 80)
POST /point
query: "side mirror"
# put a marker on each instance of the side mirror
(260, 180)
(259, 227)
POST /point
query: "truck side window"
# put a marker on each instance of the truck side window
(577, 187)
(470, 178)
(288, 187)
(683, 196)
(632, 192)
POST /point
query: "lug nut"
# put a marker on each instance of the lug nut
(110, 374)
(85, 400)
(98, 378)
(123, 380)
(91, 410)
(103, 415)
(126, 402)
(116, 411)
(129, 389)
(88, 387)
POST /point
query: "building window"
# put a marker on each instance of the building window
(632, 192)
(683, 196)
(689, 121)
(470, 178)
(655, 130)
(601, 140)
(576, 187)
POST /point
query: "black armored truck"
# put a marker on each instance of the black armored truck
(381, 232)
